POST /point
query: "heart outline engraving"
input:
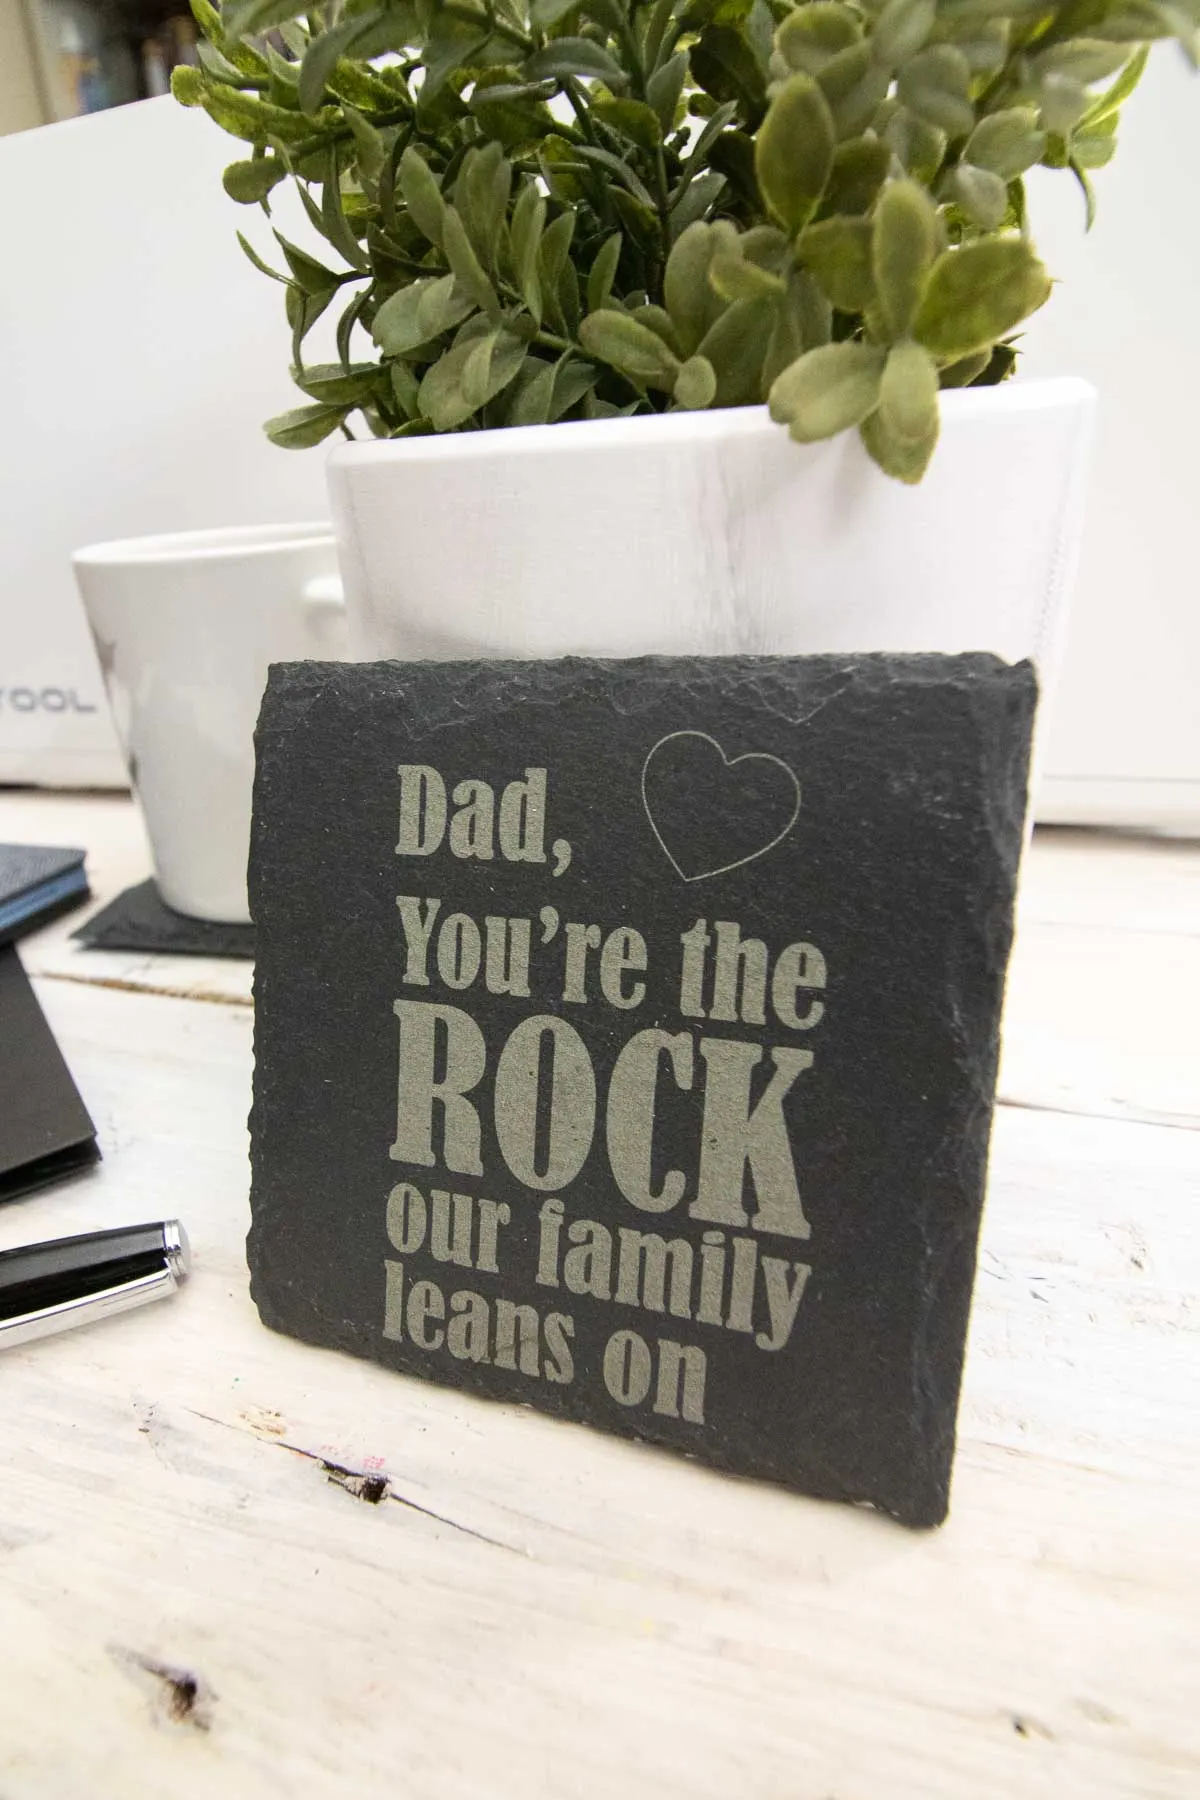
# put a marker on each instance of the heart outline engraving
(728, 762)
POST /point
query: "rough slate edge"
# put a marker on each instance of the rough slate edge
(140, 919)
(496, 685)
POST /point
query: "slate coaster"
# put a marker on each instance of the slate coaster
(140, 919)
(626, 1040)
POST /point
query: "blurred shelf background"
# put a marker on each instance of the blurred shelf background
(62, 58)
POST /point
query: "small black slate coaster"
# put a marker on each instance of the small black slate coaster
(140, 919)
(626, 1039)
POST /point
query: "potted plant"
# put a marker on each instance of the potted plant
(636, 228)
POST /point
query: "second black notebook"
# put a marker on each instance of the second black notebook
(45, 1130)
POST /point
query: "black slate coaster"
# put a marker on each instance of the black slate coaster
(661, 1097)
(140, 919)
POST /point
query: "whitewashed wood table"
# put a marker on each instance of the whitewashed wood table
(198, 1595)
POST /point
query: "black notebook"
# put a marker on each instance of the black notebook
(45, 1131)
(37, 882)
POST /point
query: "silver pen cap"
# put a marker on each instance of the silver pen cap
(54, 1286)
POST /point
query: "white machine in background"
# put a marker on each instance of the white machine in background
(1123, 745)
(139, 355)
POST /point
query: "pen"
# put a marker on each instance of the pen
(76, 1280)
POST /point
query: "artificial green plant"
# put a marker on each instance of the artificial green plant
(547, 209)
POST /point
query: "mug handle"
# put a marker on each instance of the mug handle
(325, 610)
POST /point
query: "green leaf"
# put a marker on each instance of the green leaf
(444, 57)
(553, 262)
(919, 145)
(334, 224)
(905, 459)
(351, 316)
(369, 153)
(860, 168)
(572, 380)
(617, 168)
(854, 87)
(532, 393)
(283, 80)
(250, 182)
(657, 26)
(422, 196)
(689, 298)
(901, 30)
(633, 119)
(262, 267)
(735, 344)
(811, 35)
(567, 56)
(303, 311)
(258, 15)
(502, 93)
(768, 247)
(481, 195)
(1007, 143)
(734, 278)
(603, 272)
(304, 426)
(700, 196)
(964, 372)
(827, 390)
(793, 153)
(985, 45)
(406, 390)
(528, 223)
(419, 312)
(981, 195)
(695, 384)
(218, 66)
(802, 323)
(567, 298)
(903, 246)
(323, 53)
(700, 146)
(726, 65)
(936, 86)
(312, 276)
(244, 115)
(467, 376)
(838, 251)
(1093, 149)
(1088, 191)
(1113, 98)
(545, 14)
(552, 254)
(659, 322)
(188, 86)
(331, 383)
(632, 349)
(977, 294)
(908, 394)
(465, 264)
(1062, 102)
(1083, 59)
(664, 88)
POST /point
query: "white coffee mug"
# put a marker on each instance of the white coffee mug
(185, 627)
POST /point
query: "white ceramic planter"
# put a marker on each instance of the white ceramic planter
(713, 533)
(185, 627)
